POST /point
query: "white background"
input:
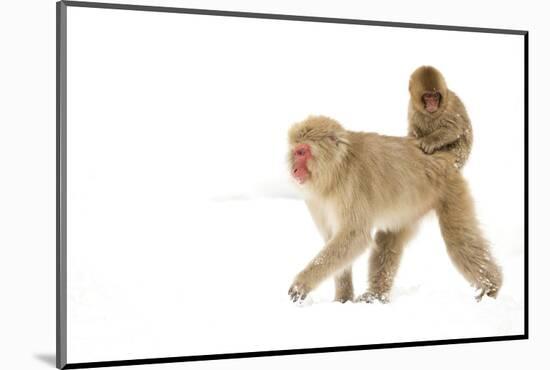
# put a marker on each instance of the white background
(183, 229)
(28, 188)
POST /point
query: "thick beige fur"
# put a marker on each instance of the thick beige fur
(364, 181)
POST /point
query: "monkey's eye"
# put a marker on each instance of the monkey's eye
(300, 152)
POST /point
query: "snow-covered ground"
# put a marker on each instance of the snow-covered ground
(225, 291)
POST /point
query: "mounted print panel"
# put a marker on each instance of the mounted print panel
(184, 227)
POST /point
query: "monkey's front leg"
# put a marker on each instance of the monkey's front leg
(343, 285)
(339, 252)
(438, 139)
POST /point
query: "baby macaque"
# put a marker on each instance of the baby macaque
(437, 117)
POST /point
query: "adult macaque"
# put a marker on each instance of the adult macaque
(354, 182)
(437, 117)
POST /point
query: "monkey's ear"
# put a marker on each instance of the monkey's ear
(338, 138)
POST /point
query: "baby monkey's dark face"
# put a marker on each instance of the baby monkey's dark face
(431, 101)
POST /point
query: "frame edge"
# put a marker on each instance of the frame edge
(61, 185)
(288, 17)
(526, 183)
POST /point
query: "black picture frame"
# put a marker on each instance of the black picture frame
(61, 183)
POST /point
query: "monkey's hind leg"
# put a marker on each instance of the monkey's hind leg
(343, 285)
(466, 245)
(384, 262)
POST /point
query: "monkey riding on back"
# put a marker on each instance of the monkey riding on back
(437, 117)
